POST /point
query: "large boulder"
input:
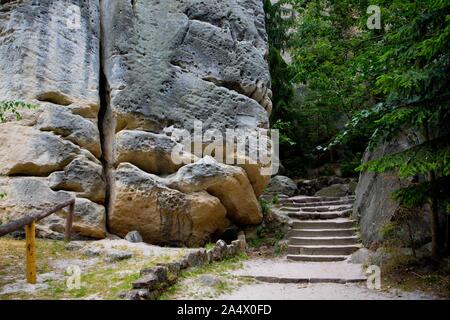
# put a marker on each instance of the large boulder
(229, 184)
(47, 58)
(72, 127)
(149, 151)
(28, 151)
(165, 216)
(374, 207)
(281, 185)
(335, 190)
(83, 176)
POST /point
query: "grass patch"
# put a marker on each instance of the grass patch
(269, 238)
(188, 280)
(99, 279)
(410, 274)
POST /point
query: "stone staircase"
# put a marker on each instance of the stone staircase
(322, 230)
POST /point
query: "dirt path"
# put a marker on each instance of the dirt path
(280, 279)
(284, 271)
(287, 280)
(319, 291)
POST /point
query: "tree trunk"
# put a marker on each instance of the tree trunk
(435, 252)
(447, 234)
(434, 221)
(411, 240)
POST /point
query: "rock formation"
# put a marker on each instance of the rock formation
(374, 206)
(53, 153)
(112, 80)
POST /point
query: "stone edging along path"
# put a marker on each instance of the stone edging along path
(153, 281)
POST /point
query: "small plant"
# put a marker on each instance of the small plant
(209, 246)
(264, 206)
(12, 107)
(279, 249)
(276, 200)
(388, 230)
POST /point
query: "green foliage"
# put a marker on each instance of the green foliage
(265, 206)
(323, 86)
(287, 114)
(409, 74)
(350, 164)
(13, 107)
(386, 82)
(398, 75)
(270, 237)
(328, 61)
(416, 90)
(276, 200)
(429, 156)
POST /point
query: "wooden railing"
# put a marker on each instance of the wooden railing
(29, 222)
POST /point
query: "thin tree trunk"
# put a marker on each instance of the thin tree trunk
(447, 234)
(434, 208)
(411, 240)
(434, 221)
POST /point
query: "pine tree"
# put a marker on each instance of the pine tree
(415, 60)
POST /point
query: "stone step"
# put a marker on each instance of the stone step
(331, 224)
(317, 241)
(320, 215)
(314, 204)
(317, 209)
(322, 232)
(326, 208)
(301, 200)
(284, 280)
(336, 250)
(310, 199)
(315, 258)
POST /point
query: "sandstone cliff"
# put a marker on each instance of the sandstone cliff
(374, 207)
(110, 87)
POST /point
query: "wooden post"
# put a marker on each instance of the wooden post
(30, 233)
(69, 222)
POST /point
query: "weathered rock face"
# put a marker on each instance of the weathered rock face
(374, 207)
(53, 153)
(111, 80)
(165, 66)
(168, 63)
(44, 58)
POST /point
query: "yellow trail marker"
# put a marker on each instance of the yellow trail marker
(30, 233)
